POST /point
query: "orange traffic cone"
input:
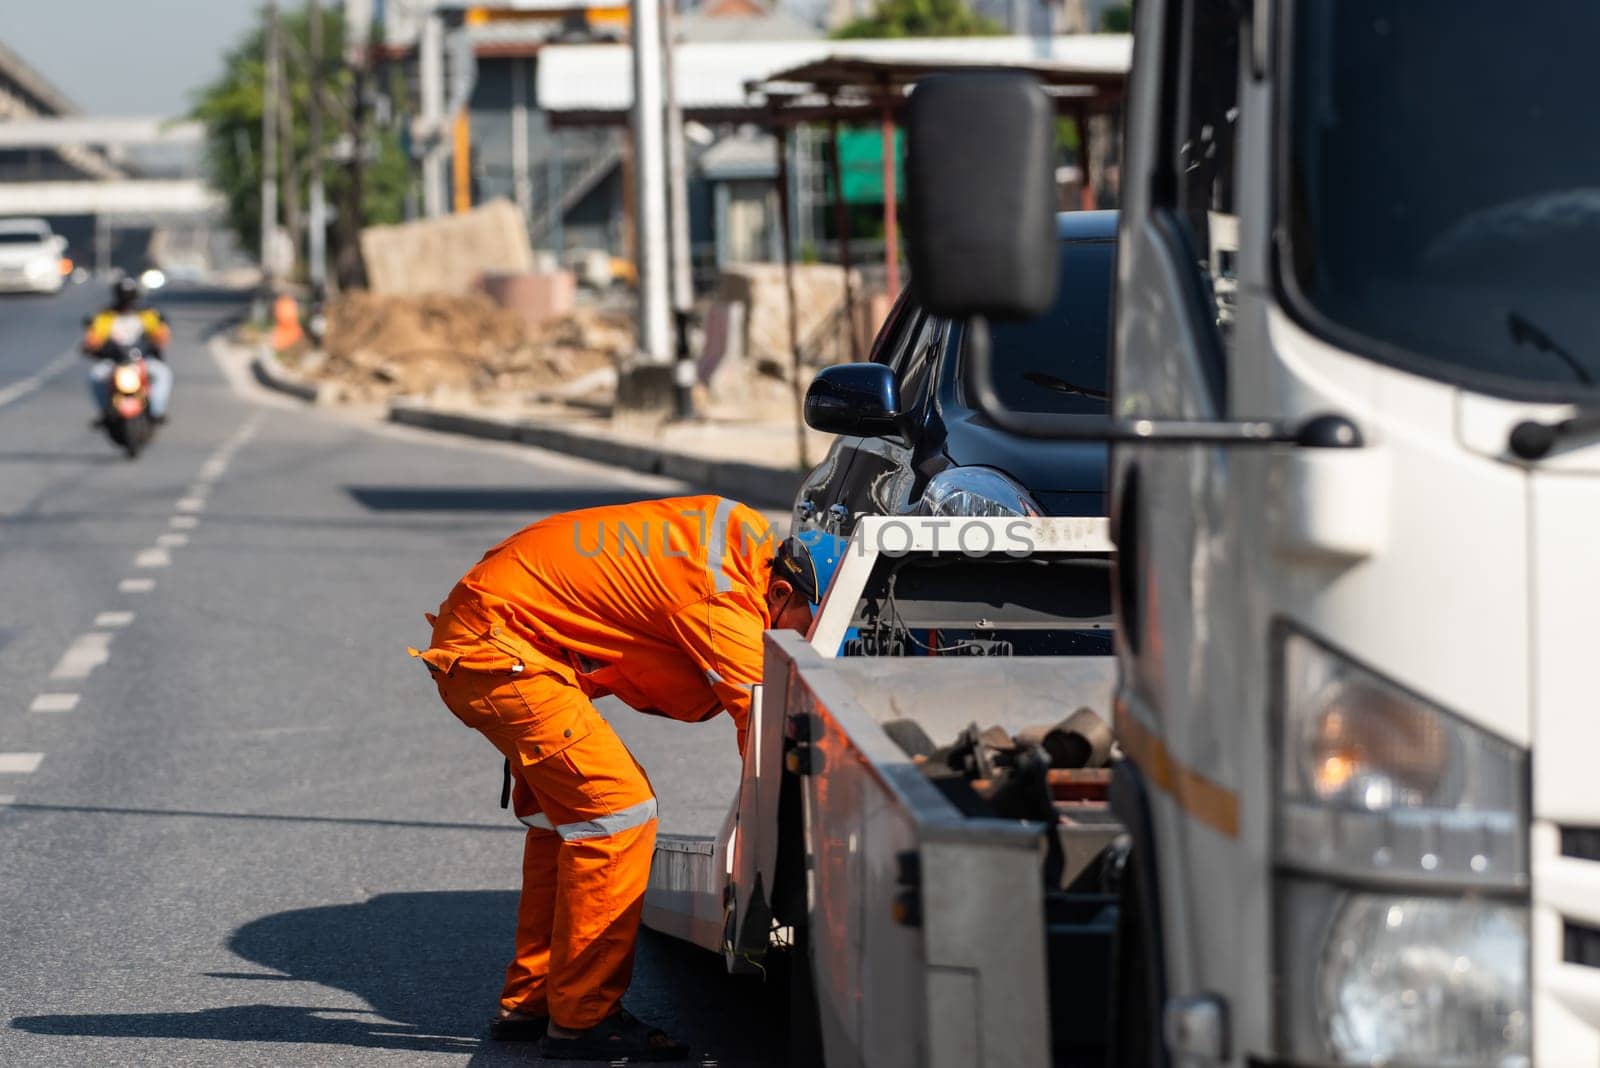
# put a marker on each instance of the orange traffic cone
(286, 331)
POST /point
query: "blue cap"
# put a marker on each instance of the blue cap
(807, 561)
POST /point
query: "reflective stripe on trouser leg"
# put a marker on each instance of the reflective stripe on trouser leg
(632, 816)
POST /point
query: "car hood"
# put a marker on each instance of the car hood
(1065, 477)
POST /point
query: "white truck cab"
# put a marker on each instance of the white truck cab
(1355, 477)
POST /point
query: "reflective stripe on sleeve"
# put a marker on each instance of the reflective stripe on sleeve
(538, 821)
(717, 546)
(621, 820)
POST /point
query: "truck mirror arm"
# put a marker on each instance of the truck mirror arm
(1325, 431)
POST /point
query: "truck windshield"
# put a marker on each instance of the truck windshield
(1057, 362)
(1444, 186)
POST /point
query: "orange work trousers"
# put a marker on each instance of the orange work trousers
(591, 817)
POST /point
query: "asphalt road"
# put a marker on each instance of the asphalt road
(236, 825)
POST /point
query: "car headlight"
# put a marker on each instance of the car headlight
(975, 491)
(1427, 963)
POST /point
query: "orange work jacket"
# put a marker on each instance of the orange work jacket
(661, 603)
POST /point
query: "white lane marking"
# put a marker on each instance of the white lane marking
(191, 504)
(172, 541)
(198, 490)
(22, 387)
(54, 702)
(7, 800)
(183, 522)
(20, 763)
(136, 585)
(157, 557)
(214, 468)
(113, 619)
(87, 652)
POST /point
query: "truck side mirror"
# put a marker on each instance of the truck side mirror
(854, 398)
(981, 196)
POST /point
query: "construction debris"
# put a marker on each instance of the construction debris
(449, 254)
(466, 347)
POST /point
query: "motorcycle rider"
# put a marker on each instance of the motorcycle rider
(126, 323)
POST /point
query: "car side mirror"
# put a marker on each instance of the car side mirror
(854, 398)
(981, 196)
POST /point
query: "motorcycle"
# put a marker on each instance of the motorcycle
(127, 412)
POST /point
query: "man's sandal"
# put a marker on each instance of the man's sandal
(518, 1027)
(620, 1035)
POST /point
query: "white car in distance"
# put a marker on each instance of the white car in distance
(30, 257)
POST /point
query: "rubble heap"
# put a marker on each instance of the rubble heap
(377, 347)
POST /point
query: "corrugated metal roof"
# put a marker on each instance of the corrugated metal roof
(599, 78)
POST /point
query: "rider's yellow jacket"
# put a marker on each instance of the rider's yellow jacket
(99, 329)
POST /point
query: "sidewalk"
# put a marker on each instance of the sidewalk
(766, 471)
(757, 462)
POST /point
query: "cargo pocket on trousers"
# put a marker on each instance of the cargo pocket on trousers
(558, 716)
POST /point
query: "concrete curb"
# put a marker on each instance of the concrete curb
(751, 483)
(272, 374)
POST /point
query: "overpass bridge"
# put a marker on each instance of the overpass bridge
(123, 191)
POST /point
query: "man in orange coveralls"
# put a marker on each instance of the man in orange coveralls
(661, 603)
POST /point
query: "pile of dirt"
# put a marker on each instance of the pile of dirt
(377, 347)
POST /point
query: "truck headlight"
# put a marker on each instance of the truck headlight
(1402, 918)
(975, 491)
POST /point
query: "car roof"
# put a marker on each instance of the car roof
(1086, 225)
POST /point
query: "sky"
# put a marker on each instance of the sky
(126, 57)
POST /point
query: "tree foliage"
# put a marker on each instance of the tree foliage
(230, 108)
(920, 18)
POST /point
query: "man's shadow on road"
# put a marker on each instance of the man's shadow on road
(430, 965)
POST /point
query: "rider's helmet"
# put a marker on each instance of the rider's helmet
(124, 293)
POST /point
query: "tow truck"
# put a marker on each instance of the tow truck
(1353, 432)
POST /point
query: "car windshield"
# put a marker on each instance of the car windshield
(1058, 361)
(21, 237)
(1444, 185)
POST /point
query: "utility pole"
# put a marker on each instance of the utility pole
(430, 76)
(683, 375)
(650, 216)
(269, 152)
(317, 243)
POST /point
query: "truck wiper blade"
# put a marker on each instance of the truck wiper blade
(1524, 332)
(1061, 385)
(1533, 440)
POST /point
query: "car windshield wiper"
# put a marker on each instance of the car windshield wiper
(1061, 385)
(1524, 332)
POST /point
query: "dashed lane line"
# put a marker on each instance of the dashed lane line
(113, 619)
(157, 557)
(137, 585)
(20, 763)
(183, 522)
(22, 387)
(7, 800)
(172, 541)
(191, 504)
(54, 702)
(87, 652)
